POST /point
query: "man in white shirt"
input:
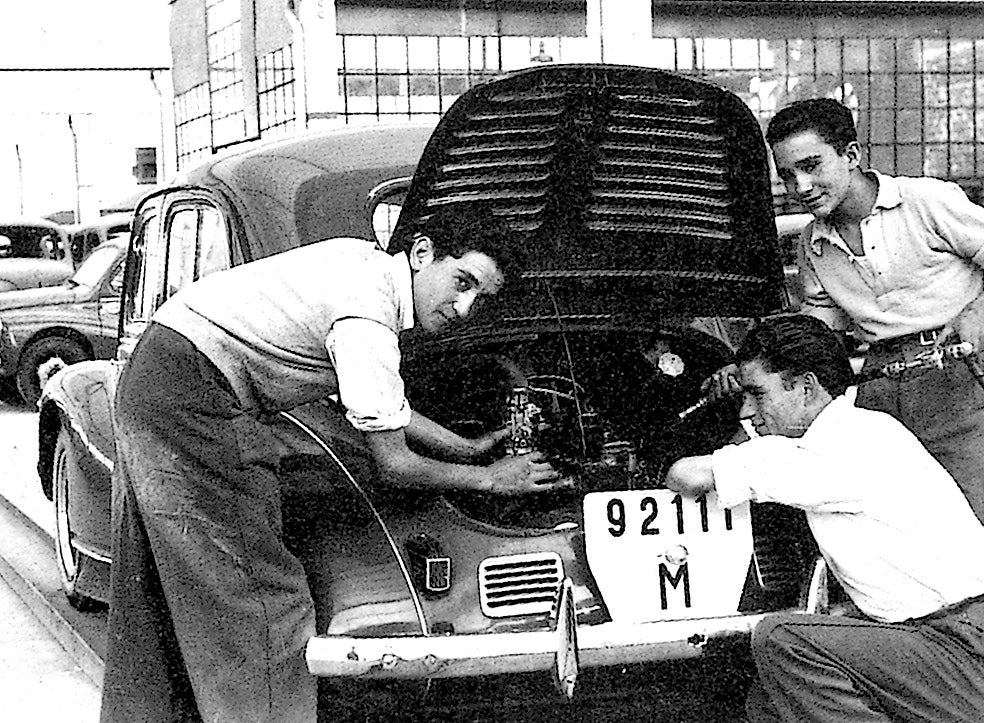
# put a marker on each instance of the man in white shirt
(891, 524)
(210, 611)
(897, 261)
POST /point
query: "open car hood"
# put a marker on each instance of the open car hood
(638, 193)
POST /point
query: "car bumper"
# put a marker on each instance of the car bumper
(602, 645)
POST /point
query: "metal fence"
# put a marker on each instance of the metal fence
(916, 99)
(414, 76)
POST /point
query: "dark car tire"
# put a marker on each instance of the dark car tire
(72, 564)
(37, 354)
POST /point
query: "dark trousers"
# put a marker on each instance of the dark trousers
(818, 668)
(210, 612)
(944, 408)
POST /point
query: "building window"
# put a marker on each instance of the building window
(916, 100)
(223, 23)
(193, 126)
(420, 76)
(275, 89)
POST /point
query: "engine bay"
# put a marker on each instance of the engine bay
(610, 409)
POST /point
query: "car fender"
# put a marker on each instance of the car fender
(79, 396)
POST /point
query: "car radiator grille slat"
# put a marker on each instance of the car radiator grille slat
(525, 584)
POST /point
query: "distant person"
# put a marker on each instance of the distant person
(888, 519)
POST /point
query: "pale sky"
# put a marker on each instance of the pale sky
(112, 112)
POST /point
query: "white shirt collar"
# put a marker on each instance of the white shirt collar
(889, 196)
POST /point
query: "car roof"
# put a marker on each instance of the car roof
(306, 188)
(103, 223)
(32, 223)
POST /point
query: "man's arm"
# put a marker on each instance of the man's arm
(691, 476)
(402, 467)
(445, 444)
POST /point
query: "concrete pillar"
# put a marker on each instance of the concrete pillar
(624, 29)
(322, 59)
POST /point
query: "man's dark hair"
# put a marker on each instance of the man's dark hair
(456, 230)
(795, 344)
(824, 116)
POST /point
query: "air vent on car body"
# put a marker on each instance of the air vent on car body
(519, 584)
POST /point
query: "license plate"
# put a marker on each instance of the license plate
(658, 555)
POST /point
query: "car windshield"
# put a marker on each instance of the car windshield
(28, 242)
(93, 268)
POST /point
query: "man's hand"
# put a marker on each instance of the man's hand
(968, 324)
(722, 383)
(522, 474)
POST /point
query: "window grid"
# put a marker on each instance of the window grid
(915, 99)
(223, 23)
(193, 127)
(417, 76)
(275, 91)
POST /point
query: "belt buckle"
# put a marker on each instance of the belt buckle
(928, 337)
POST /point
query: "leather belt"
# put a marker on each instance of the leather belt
(927, 337)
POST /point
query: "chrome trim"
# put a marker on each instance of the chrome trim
(91, 553)
(459, 656)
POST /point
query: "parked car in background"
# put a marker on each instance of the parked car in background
(44, 329)
(33, 252)
(84, 237)
(644, 202)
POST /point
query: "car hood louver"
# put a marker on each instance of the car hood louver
(635, 191)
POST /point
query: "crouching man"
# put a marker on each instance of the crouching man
(889, 520)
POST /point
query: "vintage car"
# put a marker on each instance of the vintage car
(33, 252)
(643, 200)
(84, 237)
(57, 325)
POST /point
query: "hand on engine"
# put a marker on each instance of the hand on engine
(524, 473)
(722, 383)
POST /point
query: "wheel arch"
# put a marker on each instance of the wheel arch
(57, 331)
(71, 400)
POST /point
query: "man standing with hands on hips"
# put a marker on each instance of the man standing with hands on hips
(888, 519)
(897, 261)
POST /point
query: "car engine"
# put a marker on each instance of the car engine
(606, 407)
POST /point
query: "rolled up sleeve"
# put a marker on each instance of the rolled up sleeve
(366, 357)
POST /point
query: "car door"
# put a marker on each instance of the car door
(179, 240)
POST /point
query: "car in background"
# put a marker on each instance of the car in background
(84, 237)
(643, 201)
(33, 253)
(43, 329)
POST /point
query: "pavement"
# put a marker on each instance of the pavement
(40, 679)
(47, 671)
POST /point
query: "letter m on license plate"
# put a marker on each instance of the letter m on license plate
(657, 555)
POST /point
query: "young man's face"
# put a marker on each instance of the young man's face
(445, 290)
(814, 171)
(773, 405)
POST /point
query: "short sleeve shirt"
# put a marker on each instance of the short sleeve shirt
(923, 251)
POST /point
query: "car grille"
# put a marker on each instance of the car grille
(612, 178)
(519, 584)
